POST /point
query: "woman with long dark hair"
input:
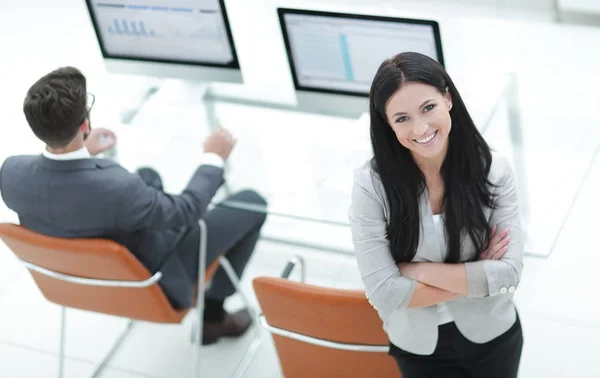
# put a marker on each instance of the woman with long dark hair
(436, 229)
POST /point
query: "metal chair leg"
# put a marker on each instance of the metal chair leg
(102, 364)
(199, 321)
(113, 349)
(257, 340)
(61, 351)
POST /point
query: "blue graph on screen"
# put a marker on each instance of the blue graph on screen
(345, 49)
(324, 55)
(130, 28)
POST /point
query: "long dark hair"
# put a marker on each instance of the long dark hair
(464, 170)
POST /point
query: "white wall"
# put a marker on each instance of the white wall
(580, 6)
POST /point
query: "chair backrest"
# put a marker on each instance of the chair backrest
(341, 316)
(97, 259)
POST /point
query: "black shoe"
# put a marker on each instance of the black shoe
(233, 325)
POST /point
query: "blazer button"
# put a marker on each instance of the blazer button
(503, 290)
(511, 289)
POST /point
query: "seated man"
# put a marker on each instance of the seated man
(65, 192)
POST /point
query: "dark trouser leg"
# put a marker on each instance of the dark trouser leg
(232, 233)
(499, 358)
(150, 177)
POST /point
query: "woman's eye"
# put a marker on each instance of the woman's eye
(402, 119)
(429, 107)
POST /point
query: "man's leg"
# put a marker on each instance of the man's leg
(150, 177)
(234, 234)
(231, 232)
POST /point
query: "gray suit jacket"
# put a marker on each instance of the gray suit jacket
(485, 313)
(91, 198)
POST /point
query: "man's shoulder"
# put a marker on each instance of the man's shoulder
(20, 159)
(16, 163)
(21, 167)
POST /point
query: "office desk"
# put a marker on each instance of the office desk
(313, 183)
(303, 163)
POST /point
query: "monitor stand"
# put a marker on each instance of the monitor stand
(203, 92)
(129, 112)
(346, 107)
(180, 91)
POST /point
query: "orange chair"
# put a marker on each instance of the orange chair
(102, 276)
(323, 332)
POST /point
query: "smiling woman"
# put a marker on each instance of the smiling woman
(436, 229)
(419, 116)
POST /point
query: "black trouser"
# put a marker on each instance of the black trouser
(457, 357)
(231, 232)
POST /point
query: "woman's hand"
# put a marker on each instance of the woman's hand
(498, 245)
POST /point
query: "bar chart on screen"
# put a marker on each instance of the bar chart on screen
(130, 28)
(164, 28)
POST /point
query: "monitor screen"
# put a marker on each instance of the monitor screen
(340, 53)
(173, 31)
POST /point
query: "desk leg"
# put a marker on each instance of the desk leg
(558, 16)
(211, 115)
(131, 110)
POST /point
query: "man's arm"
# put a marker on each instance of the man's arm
(146, 208)
(143, 207)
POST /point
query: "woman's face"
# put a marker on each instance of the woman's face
(420, 117)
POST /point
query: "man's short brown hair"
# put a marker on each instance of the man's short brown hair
(56, 105)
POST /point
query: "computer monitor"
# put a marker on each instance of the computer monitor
(183, 39)
(334, 56)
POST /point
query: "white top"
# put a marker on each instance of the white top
(445, 315)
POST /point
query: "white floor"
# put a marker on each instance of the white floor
(557, 70)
